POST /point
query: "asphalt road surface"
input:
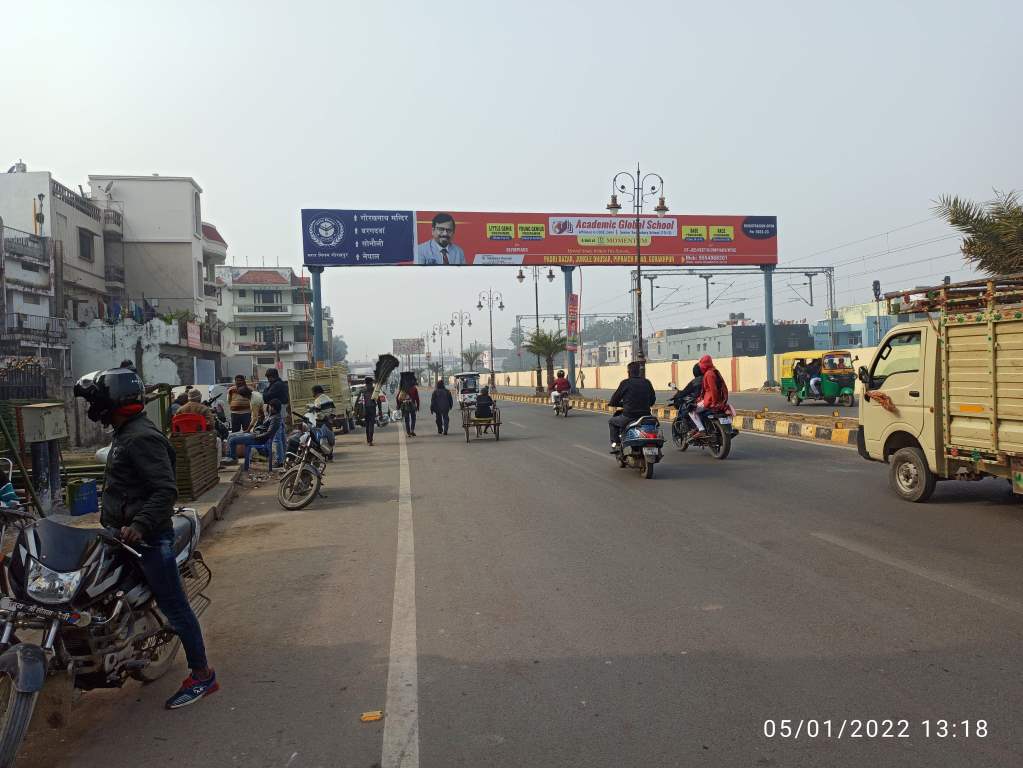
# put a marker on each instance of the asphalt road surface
(546, 608)
(754, 401)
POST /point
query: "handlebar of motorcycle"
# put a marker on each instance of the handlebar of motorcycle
(113, 536)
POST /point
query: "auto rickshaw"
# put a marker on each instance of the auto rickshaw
(837, 383)
(467, 385)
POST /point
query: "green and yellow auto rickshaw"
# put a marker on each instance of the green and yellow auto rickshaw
(834, 369)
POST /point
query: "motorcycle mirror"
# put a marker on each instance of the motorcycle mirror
(671, 386)
(863, 375)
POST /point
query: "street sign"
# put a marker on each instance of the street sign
(413, 346)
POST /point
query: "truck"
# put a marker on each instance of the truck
(334, 381)
(943, 396)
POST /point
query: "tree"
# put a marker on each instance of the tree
(516, 337)
(603, 331)
(548, 345)
(339, 348)
(472, 356)
(993, 231)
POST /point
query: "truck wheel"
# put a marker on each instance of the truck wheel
(909, 475)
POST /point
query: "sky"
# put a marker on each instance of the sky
(845, 121)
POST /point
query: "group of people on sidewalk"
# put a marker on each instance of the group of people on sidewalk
(442, 402)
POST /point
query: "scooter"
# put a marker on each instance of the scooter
(640, 445)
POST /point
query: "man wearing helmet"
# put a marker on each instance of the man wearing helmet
(139, 491)
(559, 387)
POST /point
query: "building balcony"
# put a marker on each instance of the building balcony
(113, 224)
(21, 325)
(262, 347)
(214, 252)
(209, 290)
(22, 245)
(114, 275)
(262, 310)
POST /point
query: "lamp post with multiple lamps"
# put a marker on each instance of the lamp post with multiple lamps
(439, 331)
(462, 319)
(489, 299)
(635, 189)
(521, 277)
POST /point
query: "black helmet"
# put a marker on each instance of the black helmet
(561, 373)
(106, 391)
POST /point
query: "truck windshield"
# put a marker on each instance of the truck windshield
(900, 355)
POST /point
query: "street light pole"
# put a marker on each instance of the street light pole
(489, 298)
(463, 319)
(634, 188)
(536, 295)
(439, 329)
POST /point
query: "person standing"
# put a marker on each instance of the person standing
(277, 389)
(139, 491)
(239, 401)
(441, 404)
(408, 401)
(369, 408)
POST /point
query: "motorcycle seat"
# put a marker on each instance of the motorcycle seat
(184, 527)
(649, 420)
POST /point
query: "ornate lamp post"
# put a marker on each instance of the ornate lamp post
(635, 188)
(462, 319)
(440, 330)
(521, 277)
(489, 299)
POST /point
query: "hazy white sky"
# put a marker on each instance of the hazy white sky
(845, 121)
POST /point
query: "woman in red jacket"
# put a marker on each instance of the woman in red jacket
(714, 396)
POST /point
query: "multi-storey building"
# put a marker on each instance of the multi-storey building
(269, 320)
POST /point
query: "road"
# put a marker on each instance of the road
(754, 401)
(569, 613)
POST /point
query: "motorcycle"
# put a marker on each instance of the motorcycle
(718, 431)
(304, 466)
(640, 445)
(221, 424)
(83, 591)
(561, 404)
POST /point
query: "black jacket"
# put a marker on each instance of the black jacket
(140, 482)
(277, 390)
(441, 401)
(484, 407)
(634, 396)
(692, 391)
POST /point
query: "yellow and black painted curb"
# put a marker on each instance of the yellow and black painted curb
(748, 421)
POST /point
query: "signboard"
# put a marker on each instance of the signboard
(357, 238)
(413, 346)
(194, 340)
(573, 323)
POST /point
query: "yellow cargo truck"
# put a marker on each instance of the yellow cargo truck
(943, 397)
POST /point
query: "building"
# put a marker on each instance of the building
(617, 352)
(269, 321)
(730, 341)
(168, 254)
(858, 325)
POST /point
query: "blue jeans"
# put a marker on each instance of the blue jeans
(165, 583)
(410, 421)
(249, 441)
(282, 450)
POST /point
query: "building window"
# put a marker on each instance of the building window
(198, 215)
(265, 361)
(29, 267)
(301, 332)
(241, 293)
(30, 298)
(85, 244)
(243, 331)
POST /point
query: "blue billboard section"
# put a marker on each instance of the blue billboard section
(335, 238)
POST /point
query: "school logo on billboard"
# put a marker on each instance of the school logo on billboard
(326, 231)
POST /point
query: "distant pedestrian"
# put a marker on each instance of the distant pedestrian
(441, 404)
(369, 408)
(408, 402)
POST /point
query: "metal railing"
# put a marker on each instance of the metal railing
(114, 273)
(113, 218)
(36, 325)
(25, 245)
(264, 346)
(209, 289)
(73, 199)
(247, 309)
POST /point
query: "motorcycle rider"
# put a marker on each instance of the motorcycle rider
(635, 395)
(713, 396)
(139, 491)
(560, 387)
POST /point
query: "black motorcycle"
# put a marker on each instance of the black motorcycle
(83, 591)
(718, 434)
(223, 429)
(640, 445)
(304, 466)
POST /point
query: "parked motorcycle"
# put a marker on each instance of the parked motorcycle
(640, 445)
(82, 589)
(304, 466)
(561, 404)
(718, 432)
(221, 423)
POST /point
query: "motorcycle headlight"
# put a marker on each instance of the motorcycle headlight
(304, 440)
(49, 586)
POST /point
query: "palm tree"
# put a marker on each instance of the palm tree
(993, 231)
(546, 344)
(472, 356)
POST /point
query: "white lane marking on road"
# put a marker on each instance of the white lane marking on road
(959, 585)
(590, 450)
(401, 723)
(514, 423)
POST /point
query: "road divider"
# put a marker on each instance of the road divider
(817, 429)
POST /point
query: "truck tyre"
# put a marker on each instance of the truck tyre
(909, 475)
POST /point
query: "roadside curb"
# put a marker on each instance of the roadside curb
(213, 504)
(745, 421)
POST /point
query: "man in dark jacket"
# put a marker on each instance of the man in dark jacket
(441, 404)
(139, 491)
(369, 408)
(277, 389)
(635, 395)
